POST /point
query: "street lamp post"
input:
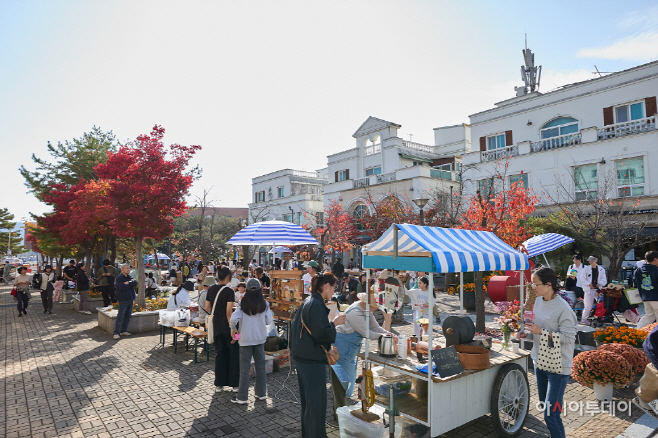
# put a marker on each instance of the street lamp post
(421, 202)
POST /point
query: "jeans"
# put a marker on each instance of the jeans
(312, 378)
(348, 345)
(258, 353)
(123, 317)
(47, 300)
(550, 387)
(22, 298)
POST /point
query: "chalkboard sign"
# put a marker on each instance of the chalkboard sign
(447, 362)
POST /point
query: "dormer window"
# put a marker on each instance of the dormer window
(558, 127)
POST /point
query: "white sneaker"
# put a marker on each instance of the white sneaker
(649, 408)
(117, 337)
(232, 389)
(261, 398)
(219, 389)
(87, 312)
(654, 407)
(125, 334)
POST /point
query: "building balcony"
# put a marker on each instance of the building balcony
(555, 142)
(499, 154)
(373, 149)
(418, 147)
(627, 128)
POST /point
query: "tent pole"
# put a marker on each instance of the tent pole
(521, 294)
(546, 260)
(430, 336)
(461, 293)
(367, 313)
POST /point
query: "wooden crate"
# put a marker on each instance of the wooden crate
(292, 275)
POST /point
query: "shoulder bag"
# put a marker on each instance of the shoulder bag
(210, 326)
(332, 354)
(549, 358)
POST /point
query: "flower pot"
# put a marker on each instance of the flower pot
(598, 343)
(603, 392)
(469, 300)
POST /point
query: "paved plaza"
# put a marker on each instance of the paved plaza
(64, 377)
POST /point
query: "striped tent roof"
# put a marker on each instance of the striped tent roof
(272, 232)
(452, 250)
(544, 243)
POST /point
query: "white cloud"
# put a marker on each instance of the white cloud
(550, 79)
(641, 48)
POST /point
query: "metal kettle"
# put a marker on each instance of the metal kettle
(387, 346)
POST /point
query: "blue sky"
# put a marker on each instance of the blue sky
(267, 85)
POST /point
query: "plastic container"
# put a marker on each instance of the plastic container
(351, 426)
(269, 366)
(399, 388)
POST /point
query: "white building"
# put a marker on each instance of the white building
(564, 143)
(381, 164)
(290, 195)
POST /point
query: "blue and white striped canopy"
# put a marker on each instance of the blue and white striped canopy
(272, 232)
(279, 250)
(544, 243)
(452, 250)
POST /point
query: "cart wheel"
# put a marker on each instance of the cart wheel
(510, 398)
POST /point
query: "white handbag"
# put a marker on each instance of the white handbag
(549, 358)
(210, 327)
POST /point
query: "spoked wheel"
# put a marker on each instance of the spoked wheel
(510, 399)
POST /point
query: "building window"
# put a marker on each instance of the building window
(484, 187)
(495, 141)
(260, 196)
(342, 175)
(560, 126)
(280, 192)
(586, 182)
(319, 218)
(447, 167)
(522, 178)
(359, 213)
(299, 218)
(630, 177)
(374, 171)
(628, 112)
(287, 217)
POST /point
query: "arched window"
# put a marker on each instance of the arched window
(559, 126)
(359, 212)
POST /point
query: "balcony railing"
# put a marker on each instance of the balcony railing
(361, 183)
(555, 142)
(417, 146)
(500, 153)
(314, 175)
(627, 128)
(373, 149)
(385, 178)
(445, 174)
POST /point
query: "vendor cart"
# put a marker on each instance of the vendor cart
(443, 404)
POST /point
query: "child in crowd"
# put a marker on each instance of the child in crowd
(239, 293)
(59, 285)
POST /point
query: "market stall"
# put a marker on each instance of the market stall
(463, 392)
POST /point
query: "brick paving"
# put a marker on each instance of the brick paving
(64, 377)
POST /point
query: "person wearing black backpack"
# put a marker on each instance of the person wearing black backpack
(573, 276)
(106, 275)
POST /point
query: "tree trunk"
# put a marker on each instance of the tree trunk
(246, 257)
(113, 249)
(479, 302)
(89, 250)
(141, 286)
(60, 261)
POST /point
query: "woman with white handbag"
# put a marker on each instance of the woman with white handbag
(553, 332)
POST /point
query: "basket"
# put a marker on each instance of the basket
(473, 358)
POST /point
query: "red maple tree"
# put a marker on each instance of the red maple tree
(147, 185)
(337, 231)
(381, 215)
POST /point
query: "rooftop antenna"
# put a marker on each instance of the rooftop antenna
(530, 74)
(410, 137)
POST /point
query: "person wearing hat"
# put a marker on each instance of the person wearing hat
(592, 279)
(254, 315)
(349, 337)
(207, 282)
(646, 279)
(125, 295)
(46, 287)
(311, 272)
(181, 296)
(82, 284)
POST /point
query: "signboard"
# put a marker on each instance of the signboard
(447, 362)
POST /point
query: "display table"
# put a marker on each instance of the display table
(457, 399)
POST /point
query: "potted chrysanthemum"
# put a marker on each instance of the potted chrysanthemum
(602, 370)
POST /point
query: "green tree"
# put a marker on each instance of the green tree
(7, 224)
(71, 161)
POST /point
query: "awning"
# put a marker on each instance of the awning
(415, 158)
(452, 250)
(273, 232)
(544, 243)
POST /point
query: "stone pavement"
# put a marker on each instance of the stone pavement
(64, 377)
